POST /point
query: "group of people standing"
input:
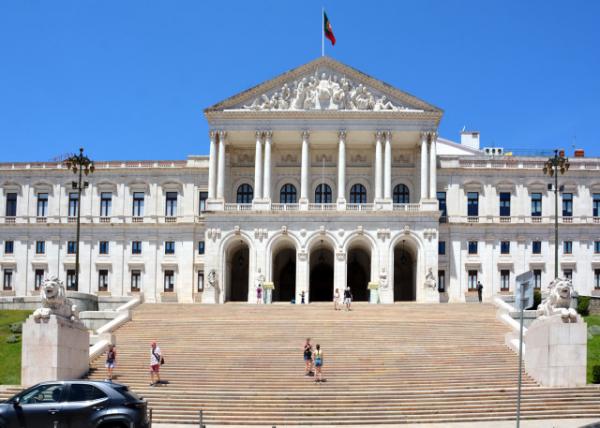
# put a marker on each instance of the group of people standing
(313, 361)
(337, 302)
(156, 360)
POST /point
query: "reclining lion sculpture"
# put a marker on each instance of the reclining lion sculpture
(54, 301)
(558, 302)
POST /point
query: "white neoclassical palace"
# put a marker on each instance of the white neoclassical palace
(319, 179)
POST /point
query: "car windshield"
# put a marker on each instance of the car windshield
(42, 394)
(129, 395)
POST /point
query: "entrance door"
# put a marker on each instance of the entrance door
(284, 275)
(404, 274)
(359, 273)
(238, 273)
(321, 274)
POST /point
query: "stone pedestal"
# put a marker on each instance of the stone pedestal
(556, 352)
(54, 350)
(374, 296)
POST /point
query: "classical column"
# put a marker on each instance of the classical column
(221, 162)
(267, 169)
(424, 165)
(433, 167)
(387, 166)
(258, 163)
(305, 169)
(341, 166)
(378, 166)
(212, 165)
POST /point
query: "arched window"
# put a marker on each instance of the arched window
(358, 194)
(401, 194)
(323, 194)
(244, 194)
(287, 194)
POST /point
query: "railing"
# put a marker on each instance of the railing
(596, 219)
(238, 207)
(411, 208)
(285, 207)
(104, 219)
(472, 219)
(536, 219)
(359, 207)
(505, 219)
(72, 220)
(322, 207)
(137, 219)
(41, 219)
(9, 220)
(170, 219)
(567, 219)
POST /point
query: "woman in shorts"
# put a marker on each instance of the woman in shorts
(111, 359)
(318, 361)
(336, 300)
(307, 358)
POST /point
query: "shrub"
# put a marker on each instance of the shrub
(583, 305)
(596, 374)
(16, 328)
(537, 298)
(12, 338)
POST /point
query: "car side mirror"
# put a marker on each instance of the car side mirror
(16, 401)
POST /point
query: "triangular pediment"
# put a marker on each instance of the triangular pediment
(324, 85)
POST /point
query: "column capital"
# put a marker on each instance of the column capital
(388, 135)
(342, 135)
(212, 134)
(378, 135)
(259, 135)
(222, 136)
(424, 136)
(305, 134)
(268, 135)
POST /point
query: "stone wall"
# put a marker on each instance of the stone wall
(595, 306)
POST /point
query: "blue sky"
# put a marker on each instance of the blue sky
(129, 79)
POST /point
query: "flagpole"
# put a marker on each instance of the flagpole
(322, 31)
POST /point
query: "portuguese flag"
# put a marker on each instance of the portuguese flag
(327, 29)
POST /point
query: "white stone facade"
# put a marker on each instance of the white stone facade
(258, 207)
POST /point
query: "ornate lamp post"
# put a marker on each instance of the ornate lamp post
(83, 165)
(553, 166)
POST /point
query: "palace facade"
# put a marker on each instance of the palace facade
(319, 179)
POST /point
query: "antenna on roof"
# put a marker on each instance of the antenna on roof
(463, 128)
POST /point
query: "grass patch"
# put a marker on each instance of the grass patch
(593, 348)
(10, 353)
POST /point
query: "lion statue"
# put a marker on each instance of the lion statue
(558, 302)
(54, 302)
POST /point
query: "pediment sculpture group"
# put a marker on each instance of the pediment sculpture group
(327, 92)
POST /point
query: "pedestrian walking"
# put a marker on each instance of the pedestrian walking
(318, 363)
(307, 358)
(259, 293)
(156, 360)
(480, 291)
(111, 360)
(348, 298)
(336, 300)
(302, 294)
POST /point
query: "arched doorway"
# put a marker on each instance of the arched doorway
(405, 272)
(321, 273)
(358, 272)
(238, 258)
(284, 272)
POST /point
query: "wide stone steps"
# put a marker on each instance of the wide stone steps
(242, 364)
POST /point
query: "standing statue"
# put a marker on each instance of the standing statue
(430, 279)
(383, 279)
(558, 302)
(54, 302)
(212, 278)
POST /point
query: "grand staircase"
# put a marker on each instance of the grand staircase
(242, 364)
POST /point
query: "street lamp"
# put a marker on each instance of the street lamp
(553, 166)
(83, 165)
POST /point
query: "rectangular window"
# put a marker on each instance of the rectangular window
(105, 204)
(568, 274)
(138, 204)
(505, 247)
(71, 279)
(103, 280)
(441, 281)
(11, 204)
(200, 281)
(473, 204)
(441, 248)
(505, 204)
(9, 247)
(597, 279)
(171, 204)
(38, 278)
(40, 247)
(42, 205)
(73, 204)
(567, 205)
(136, 280)
(203, 198)
(567, 247)
(472, 278)
(8, 276)
(136, 247)
(504, 280)
(169, 247)
(596, 205)
(71, 247)
(536, 247)
(537, 278)
(169, 280)
(597, 247)
(472, 247)
(536, 205)
(441, 197)
(103, 248)
(200, 247)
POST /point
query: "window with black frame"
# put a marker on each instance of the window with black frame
(567, 205)
(505, 204)
(73, 204)
(42, 205)
(323, 194)
(401, 194)
(202, 202)
(473, 204)
(358, 194)
(105, 204)
(244, 194)
(536, 204)
(171, 204)
(288, 194)
(11, 205)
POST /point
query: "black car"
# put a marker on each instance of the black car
(75, 404)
